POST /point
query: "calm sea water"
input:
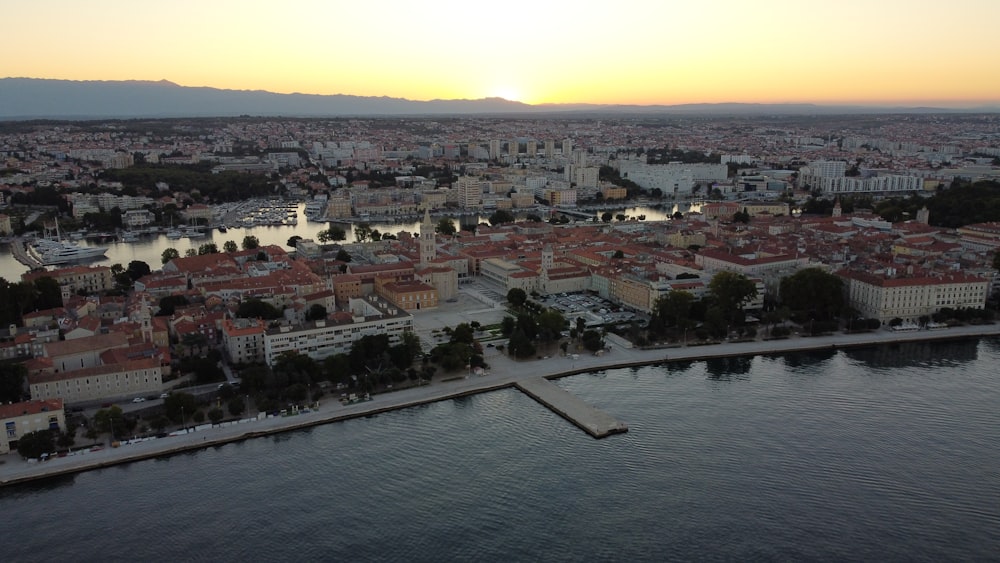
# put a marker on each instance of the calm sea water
(882, 454)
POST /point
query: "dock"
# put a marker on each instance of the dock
(20, 252)
(593, 421)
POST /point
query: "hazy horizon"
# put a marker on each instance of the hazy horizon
(943, 104)
(632, 52)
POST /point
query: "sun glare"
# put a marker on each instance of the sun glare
(508, 93)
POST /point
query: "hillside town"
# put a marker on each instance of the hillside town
(846, 203)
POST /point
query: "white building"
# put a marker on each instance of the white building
(243, 340)
(320, 339)
(885, 296)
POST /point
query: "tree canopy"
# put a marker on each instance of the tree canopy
(516, 297)
(500, 217)
(333, 233)
(250, 242)
(446, 226)
(731, 291)
(33, 444)
(257, 309)
(813, 292)
(169, 254)
(19, 298)
(316, 312)
(671, 310)
(12, 376)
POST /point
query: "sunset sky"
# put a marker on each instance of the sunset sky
(563, 51)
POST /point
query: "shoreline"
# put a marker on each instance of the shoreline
(504, 373)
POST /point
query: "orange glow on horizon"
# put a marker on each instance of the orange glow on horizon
(642, 52)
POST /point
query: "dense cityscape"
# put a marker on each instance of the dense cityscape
(769, 226)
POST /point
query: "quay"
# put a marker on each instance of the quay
(591, 420)
(506, 373)
(20, 252)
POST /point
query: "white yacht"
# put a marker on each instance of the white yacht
(51, 252)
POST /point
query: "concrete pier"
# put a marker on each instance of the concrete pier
(595, 422)
(20, 252)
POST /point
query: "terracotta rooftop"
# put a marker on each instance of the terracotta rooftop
(29, 407)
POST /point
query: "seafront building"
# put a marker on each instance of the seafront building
(22, 418)
(886, 296)
(91, 279)
(369, 316)
(243, 340)
(112, 381)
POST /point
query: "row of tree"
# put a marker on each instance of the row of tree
(250, 242)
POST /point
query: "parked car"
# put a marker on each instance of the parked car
(139, 400)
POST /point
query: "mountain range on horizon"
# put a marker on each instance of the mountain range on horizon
(38, 98)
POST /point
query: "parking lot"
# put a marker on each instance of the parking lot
(594, 309)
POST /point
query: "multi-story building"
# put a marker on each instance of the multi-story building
(113, 381)
(585, 176)
(243, 340)
(90, 279)
(470, 192)
(338, 207)
(531, 148)
(408, 295)
(25, 417)
(137, 218)
(345, 288)
(320, 339)
(495, 149)
(884, 296)
(614, 192)
(561, 198)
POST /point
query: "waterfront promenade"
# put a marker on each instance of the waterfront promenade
(504, 373)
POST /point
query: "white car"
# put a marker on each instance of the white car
(139, 400)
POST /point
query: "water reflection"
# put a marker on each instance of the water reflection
(809, 359)
(931, 354)
(728, 369)
(674, 366)
(39, 486)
